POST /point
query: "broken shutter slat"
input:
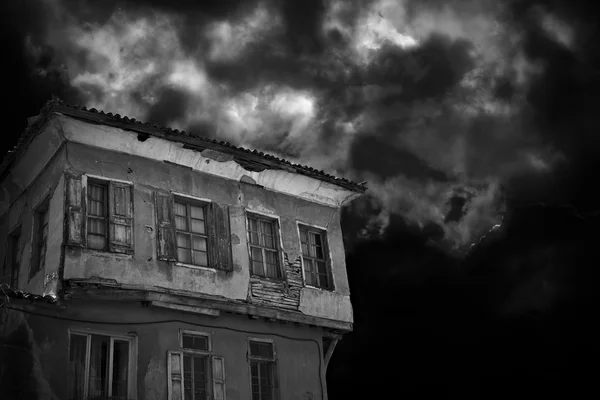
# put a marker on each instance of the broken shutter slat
(75, 198)
(121, 217)
(220, 237)
(175, 372)
(218, 374)
(165, 234)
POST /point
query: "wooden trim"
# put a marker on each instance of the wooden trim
(108, 291)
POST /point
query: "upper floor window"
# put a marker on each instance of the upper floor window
(190, 224)
(263, 373)
(192, 231)
(317, 271)
(192, 369)
(40, 237)
(264, 249)
(12, 265)
(101, 366)
(100, 214)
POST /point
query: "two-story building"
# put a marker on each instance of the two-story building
(142, 262)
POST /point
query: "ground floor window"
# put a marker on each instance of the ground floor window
(101, 367)
(263, 372)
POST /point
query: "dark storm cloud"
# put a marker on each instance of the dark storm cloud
(171, 105)
(380, 157)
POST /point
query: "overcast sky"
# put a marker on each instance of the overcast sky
(457, 113)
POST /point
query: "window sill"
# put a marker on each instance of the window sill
(264, 278)
(322, 289)
(192, 266)
(105, 253)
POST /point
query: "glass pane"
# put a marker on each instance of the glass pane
(252, 224)
(261, 349)
(319, 252)
(254, 238)
(96, 242)
(200, 258)
(196, 342)
(184, 255)
(183, 240)
(323, 280)
(269, 241)
(198, 226)
(199, 366)
(180, 209)
(312, 238)
(120, 364)
(257, 268)
(256, 254)
(199, 243)
(187, 376)
(197, 212)
(321, 268)
(181, 223)
(119, 203)
(303, 236)
(266, 227)
(98, 383)
(77, 366)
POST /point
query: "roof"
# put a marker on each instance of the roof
(249, 159)
(6, 290)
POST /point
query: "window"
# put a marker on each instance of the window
(10, 273)
(40, 239)
(101, 367)
(193, 232)
(97, 215)
(193, 368)
(263, 374)
(314, 257)
(100, 214)
(264, 259)
(190, 226)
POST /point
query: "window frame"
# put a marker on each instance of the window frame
(198, 202)
(109, 184)
(11, 270)
(207, 354)
(273, 361)
(131, 364)
(40, 213)
(105, 183)
(326, 253)
(278, 242)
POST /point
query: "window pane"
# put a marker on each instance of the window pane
(319, 252)
(261, 349)
(98, 383)
(120, 364)
(321, 268)
(323, 281)
(252, 223)
(198, 226)
(196, 342)
(199, 243)
(183, 240)
(200, 258)
(256, 254)
(184, 255)
(96, 242)
(254, 238)
(271, 264)
(197, 212)
(180, 209)
(266, 227)
(187, 376)
(269, 241)
(77, 366)
(181, 223)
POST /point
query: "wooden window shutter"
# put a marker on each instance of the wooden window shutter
(165, 234)
(218, 375)
(219, 236)
(75, 198)
(120, 203)
(175, 378)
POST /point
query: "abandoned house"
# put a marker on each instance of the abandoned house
(142, 262)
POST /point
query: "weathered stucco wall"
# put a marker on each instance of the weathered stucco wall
(143, 268)
(41, 342)
(37, 175)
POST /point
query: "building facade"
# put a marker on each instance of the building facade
(141, 262)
